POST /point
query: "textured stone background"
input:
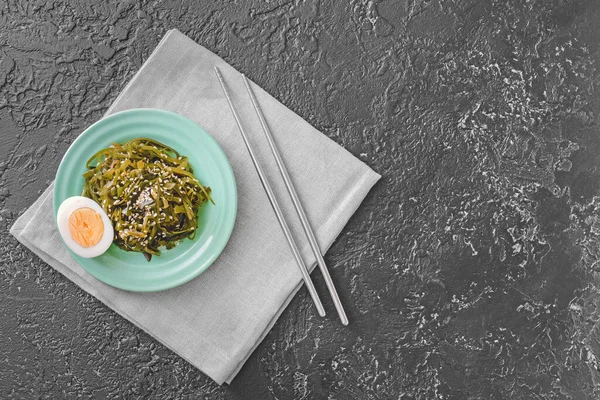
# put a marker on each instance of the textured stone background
(472, 269)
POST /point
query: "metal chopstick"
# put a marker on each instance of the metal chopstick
(297, 205)
(274, 203)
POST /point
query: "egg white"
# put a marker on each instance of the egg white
(68, 207)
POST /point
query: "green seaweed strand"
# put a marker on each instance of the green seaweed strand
(149, 192)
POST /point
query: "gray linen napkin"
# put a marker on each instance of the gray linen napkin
(217, 320)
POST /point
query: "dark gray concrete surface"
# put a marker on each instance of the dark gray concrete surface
(470, 272)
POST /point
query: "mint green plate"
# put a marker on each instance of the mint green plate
(131, 271)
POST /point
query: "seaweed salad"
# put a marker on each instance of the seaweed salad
(149, 192)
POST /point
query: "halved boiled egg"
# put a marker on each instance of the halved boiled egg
(84, 226)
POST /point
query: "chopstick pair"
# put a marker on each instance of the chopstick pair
(295, 200)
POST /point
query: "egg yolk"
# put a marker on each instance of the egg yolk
(86, 227)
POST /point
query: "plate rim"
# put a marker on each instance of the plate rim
(227, 233)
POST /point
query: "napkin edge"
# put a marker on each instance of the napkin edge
(125, 90)
(369, 179)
